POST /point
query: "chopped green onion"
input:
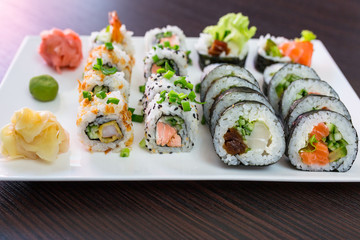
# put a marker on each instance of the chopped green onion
(192, 96)
(125, 152)
(87, 95)
(186, 106)
(109, 71)
(167, 34)
(142, 88)
(101, 95)
(167, 44)
(169, 74)
(137, 118)
(131, 110)
(99, 61)
(189, 61)
(172, 99)
(160, 46)
(113, 100)
(109, 46)
(107, 28)
(176, 47)
(172, 93)
(142, 143)
(155, 58)
(161, 70)
(203, 121)
(197, 87)
(168, 67)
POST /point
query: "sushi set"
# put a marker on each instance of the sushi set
(165, 106)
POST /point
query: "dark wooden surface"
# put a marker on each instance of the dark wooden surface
(183, 210)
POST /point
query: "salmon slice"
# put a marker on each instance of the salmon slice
(154, 68)
(320, 156)
(320, 131)
(298, 51)
(167, 135)
(173, 40)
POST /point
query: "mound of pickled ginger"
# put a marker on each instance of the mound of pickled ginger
(34, 135)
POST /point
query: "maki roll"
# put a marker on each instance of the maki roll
(322, 140)
(231, 96)
(282, 79)
(116, 34)
(161, 59)
(215, 71)
(268, 52)
(171, 123)
(269, 72)
(104, 122)
(273, 50)
(301, 88)
(157, 83)
(249, 133)
(109, 61)
(226, 42)
(315, 102)
(172, 34)
(96, 82)
(220, 85)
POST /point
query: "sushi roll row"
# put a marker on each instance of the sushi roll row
(169, 104)
(243, 124)
(226, 42)
(320, 133)
(103, 119)
(272, 50)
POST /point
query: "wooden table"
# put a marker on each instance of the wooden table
(183, 210)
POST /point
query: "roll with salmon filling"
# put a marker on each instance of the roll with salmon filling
(173, 34)
(170, 126)
(322, 140)
(249, 133)
(162, 59)
(104, 122)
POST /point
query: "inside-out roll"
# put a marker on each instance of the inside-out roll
(105, 124)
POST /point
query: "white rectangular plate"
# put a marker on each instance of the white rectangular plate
(200, 164)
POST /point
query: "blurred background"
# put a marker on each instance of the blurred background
(335, 22)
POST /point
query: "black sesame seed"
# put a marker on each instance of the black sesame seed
(150, 149)
(149, 135)
(168, 87)
(176, 108)
(193, 144)
(161, 152)
(170, 152)
(194, 115)
(160, 86)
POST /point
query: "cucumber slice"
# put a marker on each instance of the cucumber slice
(337, 136)
(92, 131)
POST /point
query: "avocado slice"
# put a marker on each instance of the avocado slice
(337, 154)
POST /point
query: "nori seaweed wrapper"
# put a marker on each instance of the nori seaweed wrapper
(205, 60)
